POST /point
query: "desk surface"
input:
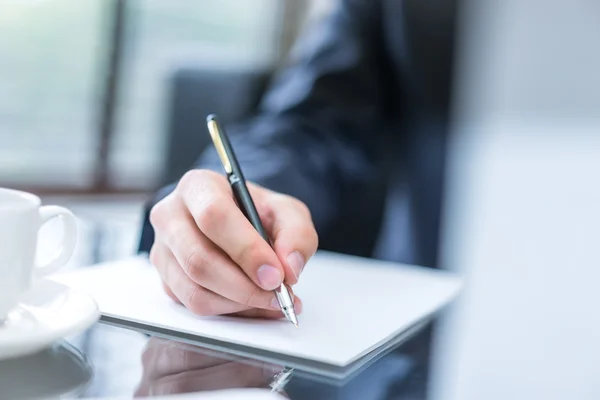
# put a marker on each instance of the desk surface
(107, 361)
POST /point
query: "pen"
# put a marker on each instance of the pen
(244, 201)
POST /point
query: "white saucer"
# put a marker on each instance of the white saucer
(48, 312)
(58, 372)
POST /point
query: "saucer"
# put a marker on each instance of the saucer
(61, 371)
(48, 312)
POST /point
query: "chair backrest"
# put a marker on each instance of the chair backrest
(196, 93)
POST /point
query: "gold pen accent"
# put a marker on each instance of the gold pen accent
(216, 138)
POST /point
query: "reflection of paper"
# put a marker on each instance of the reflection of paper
(229, 394)
(235, 394)
(351, 306)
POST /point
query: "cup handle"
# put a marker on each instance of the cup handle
(68, 240)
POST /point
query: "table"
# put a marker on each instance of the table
(107, 361)
(524, 352)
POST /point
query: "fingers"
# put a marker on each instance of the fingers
(220, 220)
(294, 236)
(170, 293)
(200, 300)
(212, 260)
(205, 264)
(196, 298)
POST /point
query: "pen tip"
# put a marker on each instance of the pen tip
(211, 117)
(293, 319)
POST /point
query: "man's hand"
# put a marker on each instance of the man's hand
(213, 261)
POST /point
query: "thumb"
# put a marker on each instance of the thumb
(294, 237)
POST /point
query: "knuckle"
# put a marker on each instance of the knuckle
(195, 176)
(195, 265)
(190, 176)
(179, 235)
(297, 204)
(160, 212)
(195, 302)
(248, 255)
(211, 216)
(301, 206)
(311, 237)
(305, 231)
(156, 213)
(202, 303)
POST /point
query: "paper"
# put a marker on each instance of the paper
(351, 306)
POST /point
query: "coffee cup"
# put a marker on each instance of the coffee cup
(21, 217)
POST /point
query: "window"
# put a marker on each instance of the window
(50, 55)
(58, 60)
(163, 36)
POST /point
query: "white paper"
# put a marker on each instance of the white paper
(351, 305)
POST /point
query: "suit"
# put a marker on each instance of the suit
(357, 123)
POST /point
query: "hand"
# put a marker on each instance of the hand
(171, 368)
(213, 261)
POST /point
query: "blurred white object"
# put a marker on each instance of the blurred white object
(523, 212)
(21, 217)
(48, 312)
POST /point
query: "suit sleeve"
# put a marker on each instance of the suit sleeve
(313, 135)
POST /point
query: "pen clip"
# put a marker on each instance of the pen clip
(215, 134)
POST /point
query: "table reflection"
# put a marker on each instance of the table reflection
(128, 363)
(170, 367)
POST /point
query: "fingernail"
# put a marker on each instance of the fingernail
(275, 304)
(296, 262)
(269, 277)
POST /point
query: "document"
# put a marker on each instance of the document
(353, 308)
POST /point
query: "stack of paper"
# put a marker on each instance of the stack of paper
(353, 309)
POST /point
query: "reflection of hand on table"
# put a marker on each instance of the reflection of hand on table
(170, 368)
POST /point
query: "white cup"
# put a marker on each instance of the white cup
(21, 217)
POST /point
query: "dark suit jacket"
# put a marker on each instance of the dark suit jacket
(361, 109)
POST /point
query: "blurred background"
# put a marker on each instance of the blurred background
(86, 106)
(98, 95)
(104, 101)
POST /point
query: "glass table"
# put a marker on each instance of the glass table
(107, 361)
(506, 360)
